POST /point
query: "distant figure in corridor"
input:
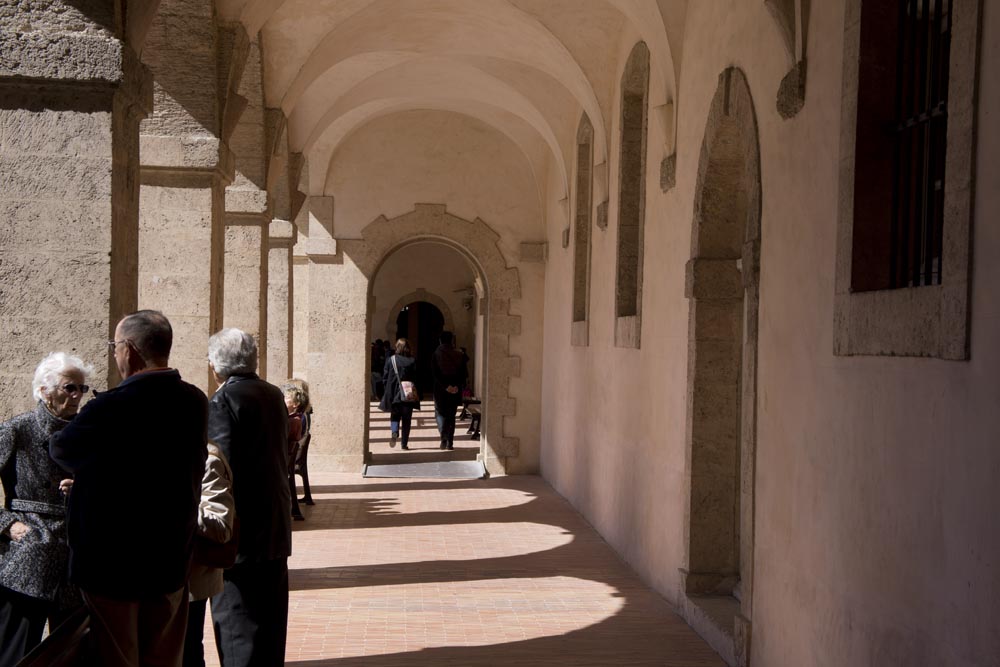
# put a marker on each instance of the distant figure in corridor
(448, 367)
(296, 402)
(248, 420)
(33, 567)
(138, 455)
(399, 367)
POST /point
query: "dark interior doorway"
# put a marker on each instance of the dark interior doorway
(421, 323)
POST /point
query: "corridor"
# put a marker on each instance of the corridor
(490, 572)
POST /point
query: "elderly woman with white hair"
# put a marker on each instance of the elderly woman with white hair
(248, 420)
(33, 548)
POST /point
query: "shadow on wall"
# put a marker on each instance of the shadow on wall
(632, 635)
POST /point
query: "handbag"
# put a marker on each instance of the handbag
(407, 389)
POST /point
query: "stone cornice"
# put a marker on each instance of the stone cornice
(186, 154)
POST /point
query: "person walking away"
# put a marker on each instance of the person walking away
(34, 553)
(137, 453)
(216, 521)
(449, 371)
(399, 367)
(249, 422)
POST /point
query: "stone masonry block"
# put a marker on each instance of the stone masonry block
(55, 178)
(281, 230)
(56, 133)
(713, 279)
(246, 201)
(505, 447)
(502, 407)
(505, 325)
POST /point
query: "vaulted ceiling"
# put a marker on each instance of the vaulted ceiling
(527, 68)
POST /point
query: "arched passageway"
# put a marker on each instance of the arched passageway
(421, 323)
(491, 287)
(723, 292)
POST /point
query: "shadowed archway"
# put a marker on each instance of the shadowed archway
(723, 291)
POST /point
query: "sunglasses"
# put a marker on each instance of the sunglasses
(74, 388)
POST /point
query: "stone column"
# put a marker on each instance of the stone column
(69, 132)
(280, 295)
(246, 266)
(185, 168)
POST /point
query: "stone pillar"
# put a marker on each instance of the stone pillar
(69, 132)
(246, 266)
(300, 296)
(280, 295)
(338, 361)
(248, 212)
(185, 168)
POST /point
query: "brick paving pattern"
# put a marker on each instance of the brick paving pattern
(390, 572)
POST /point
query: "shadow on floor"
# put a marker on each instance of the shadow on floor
(643, 631)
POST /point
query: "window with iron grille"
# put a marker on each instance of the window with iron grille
(902, 122)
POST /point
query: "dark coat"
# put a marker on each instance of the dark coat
(450, 369)
(407, 371)
(35, 565)
(138, 455)
(248, 420)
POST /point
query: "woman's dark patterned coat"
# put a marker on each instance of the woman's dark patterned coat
(37, 564)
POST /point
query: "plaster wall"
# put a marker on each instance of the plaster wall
(614, 417)
(875, 482)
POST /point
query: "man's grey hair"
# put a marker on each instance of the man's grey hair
(51, 367)
(150, 333)
(232, 352)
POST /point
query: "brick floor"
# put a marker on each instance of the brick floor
(489, 572)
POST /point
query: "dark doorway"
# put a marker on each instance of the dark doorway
(421, 323)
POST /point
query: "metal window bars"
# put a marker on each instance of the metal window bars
(920, 138)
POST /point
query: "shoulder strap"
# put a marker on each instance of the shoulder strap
(394, 367)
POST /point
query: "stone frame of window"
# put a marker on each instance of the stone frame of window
(635, 80)
(931, 320)
(582, 222)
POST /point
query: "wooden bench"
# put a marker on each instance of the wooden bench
(477, 417)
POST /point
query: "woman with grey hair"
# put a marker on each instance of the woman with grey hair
(248, 420)
(33, 548)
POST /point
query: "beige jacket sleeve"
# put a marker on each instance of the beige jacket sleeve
(217, 511)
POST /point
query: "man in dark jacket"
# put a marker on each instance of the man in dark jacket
(448, 366)
(248, 420)
(138, 455)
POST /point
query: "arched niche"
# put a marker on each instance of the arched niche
(478, 243)
(419, 295)
(723, 290)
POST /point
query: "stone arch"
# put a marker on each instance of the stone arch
(723, 290)
(420, 295)
(479, 244)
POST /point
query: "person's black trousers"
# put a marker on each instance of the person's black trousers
(194, 647)
(250, 615)
(445, 417)
(22, 621)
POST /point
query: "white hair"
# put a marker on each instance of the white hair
(232, 351)
(51, 367)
